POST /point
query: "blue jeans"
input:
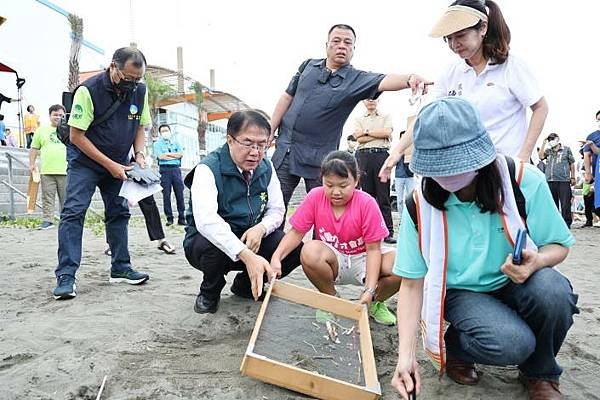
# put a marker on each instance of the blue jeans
(403, 187)
(170, 177)
(522, 325)
(81, 185)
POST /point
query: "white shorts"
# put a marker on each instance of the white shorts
(352, 270)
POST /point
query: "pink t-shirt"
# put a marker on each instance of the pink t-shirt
(360, 223)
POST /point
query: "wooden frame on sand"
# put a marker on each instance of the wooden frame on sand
(308, 382)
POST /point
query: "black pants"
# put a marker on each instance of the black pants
(369, 165)
(170, 177)
(152, 218)
(588, 201)
(289, 182)
(215, 264)
(28, 139)
(561, 193)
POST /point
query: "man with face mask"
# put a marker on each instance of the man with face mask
(560, 173)
(311, 113)
(53, 168)
(98, 156)
(169, 152)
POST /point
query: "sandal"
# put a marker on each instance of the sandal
(166, 247)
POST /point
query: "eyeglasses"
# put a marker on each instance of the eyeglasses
(128, 78)
(260, 147)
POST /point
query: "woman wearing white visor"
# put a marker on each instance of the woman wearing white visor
(499, 84)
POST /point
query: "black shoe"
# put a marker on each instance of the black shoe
(588, 224)
(169, 222)
(206, 306)
(390, 240)
(181, 222)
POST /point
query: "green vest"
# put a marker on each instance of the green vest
(241, 205)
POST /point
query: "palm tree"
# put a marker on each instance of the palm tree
(76, 38)
(157, 90)
(202, 123)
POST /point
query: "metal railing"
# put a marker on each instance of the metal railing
(12, 189)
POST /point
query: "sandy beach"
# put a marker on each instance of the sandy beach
(152, 345)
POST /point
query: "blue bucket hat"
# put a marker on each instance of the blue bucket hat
(450, 139)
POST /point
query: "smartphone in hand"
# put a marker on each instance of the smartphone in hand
(517, 257)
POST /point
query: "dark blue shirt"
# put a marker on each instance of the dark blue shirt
(402, 170)
(322, 101)
(594, 137)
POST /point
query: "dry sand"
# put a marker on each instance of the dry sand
(152, 345)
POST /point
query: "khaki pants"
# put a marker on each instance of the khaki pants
(51, 185)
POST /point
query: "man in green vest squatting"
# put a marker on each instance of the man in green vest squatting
(234, 214)
(107, 118)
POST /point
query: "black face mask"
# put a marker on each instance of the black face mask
(126, 86)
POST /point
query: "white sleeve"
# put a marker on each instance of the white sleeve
(208, 222)
(440, 87)
(522, 82)
(275, 211)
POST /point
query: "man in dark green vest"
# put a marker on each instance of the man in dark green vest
(234, 214)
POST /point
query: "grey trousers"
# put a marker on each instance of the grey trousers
(52, 185)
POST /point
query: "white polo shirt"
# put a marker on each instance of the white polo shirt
(502, 93)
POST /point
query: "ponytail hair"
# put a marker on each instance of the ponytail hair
(496, 42)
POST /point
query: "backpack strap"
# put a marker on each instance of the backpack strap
(519, 198)
(411, 207)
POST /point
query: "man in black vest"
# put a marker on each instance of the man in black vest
(234, 214)
(98, 157)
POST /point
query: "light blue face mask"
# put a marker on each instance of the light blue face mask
(455, 182)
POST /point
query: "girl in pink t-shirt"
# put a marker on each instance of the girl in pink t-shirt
(349, 229)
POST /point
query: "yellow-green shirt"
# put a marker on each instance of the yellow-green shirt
(53, 153)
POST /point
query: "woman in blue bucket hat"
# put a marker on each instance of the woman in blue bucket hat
(454, 257)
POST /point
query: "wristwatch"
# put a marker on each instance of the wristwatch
(370, 290)
(366, 131)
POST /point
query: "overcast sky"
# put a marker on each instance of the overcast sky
(256, 46)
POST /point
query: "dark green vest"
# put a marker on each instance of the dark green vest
(241, 205)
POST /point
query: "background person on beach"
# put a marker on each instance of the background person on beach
(9, 138)
(499, 313)
(373, 132)
(560, 173)
(235, 213)
(499, 84)
(590, 161)
(31, 122)
(405, 181)
(349, 227)
(312, 111)
(169, 153)
(53, 167)
(98, 156)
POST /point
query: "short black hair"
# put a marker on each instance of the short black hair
(28, 107)
(241, 120)
(124, 54)
(341, 26)
(489, 196)
(340, 163)
(552, 136)
(163, 126)
(598, 113)
(56, 107)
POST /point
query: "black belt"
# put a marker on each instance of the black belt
(373, 150)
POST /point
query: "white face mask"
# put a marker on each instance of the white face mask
(598, 123)
(553, 143)
(455, 182)
(166, 135)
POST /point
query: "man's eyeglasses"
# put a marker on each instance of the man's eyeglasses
(260, 147)
(128, 78)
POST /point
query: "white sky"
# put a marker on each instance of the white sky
(256, 46)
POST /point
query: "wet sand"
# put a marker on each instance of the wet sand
(152, 345)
